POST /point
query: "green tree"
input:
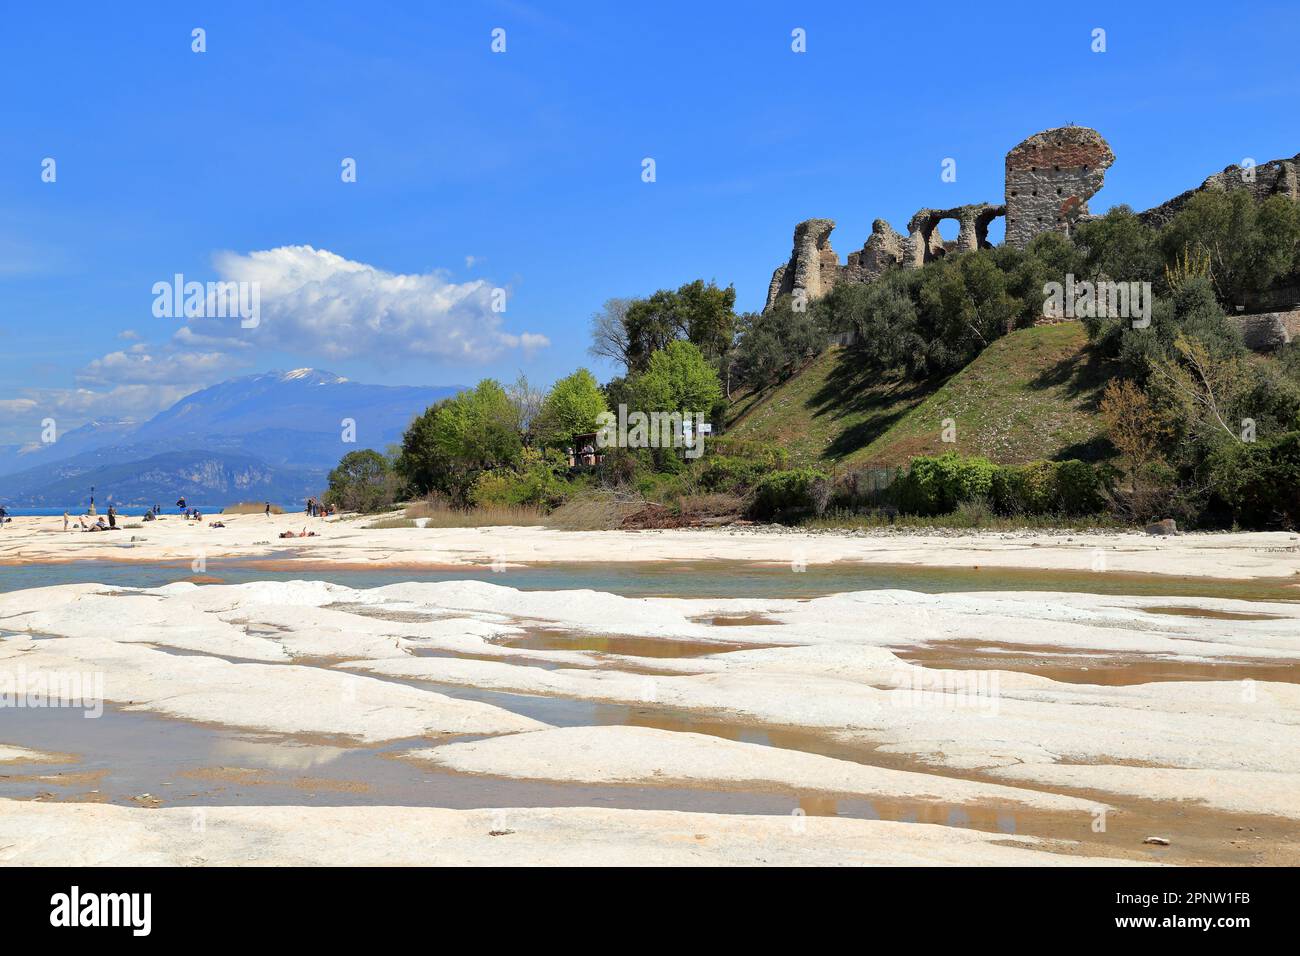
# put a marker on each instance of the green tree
(677, 378)
(964, 305)
(445, 447)
(1251, 245)
(570, 408)
(776, 343)
(363, 481)
(700, 313)
(1119, 247)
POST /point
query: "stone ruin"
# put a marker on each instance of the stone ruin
(1275, 178)
(1049, 179)
(813, 266)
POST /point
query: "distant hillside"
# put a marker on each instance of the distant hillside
(76, 441)
(1031, 394)
(273, 435)
(202, 477)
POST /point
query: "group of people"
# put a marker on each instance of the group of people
(108, 521)
(317, 509)
(99, 524)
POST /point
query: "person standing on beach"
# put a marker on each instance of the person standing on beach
(65, 521)
(268, 509)
(112, 517)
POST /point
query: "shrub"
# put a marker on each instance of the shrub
(621, 466)
(1081, 487)
(935, 485)
(1259, 483)
(724, 473)
(784, 492)
(535, 482)
(1049, 487)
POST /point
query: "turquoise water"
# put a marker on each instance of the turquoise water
(720, 579)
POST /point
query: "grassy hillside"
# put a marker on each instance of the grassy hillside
(830, 411)
(1031, 394)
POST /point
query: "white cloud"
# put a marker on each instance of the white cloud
(129, 335)
(20, 418)
(136, 366)
(126, 385)
(17, 406)
(314, 302)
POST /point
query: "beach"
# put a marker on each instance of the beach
(347, 541)
(1092, 698)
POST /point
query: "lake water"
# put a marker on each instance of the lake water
(704, 579)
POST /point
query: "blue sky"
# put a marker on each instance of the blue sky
(522, 170)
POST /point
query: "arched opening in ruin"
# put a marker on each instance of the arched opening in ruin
(990, 227)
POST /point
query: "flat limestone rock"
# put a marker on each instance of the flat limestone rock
(71, 834)
(644, 755)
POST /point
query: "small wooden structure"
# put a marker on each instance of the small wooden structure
(584, 452)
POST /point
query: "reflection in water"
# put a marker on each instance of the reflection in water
(126, 757)
(543, 639)
(1210, 613)
(1090, 667)
(277, 754)
(721, 579)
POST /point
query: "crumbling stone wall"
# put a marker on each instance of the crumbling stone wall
(1268, 330)
(1050, 178)
(1278, 177)
(925, 242)
(813, 267)
(884, 249)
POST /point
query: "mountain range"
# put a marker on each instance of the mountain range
(273, 436)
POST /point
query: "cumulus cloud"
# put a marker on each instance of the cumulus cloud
(316, 302)
(138, 366)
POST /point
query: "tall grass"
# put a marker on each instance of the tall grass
(439, 514)
(597, 511)
(250, 508)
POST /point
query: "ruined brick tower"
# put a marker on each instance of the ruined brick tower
(1050, 178)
